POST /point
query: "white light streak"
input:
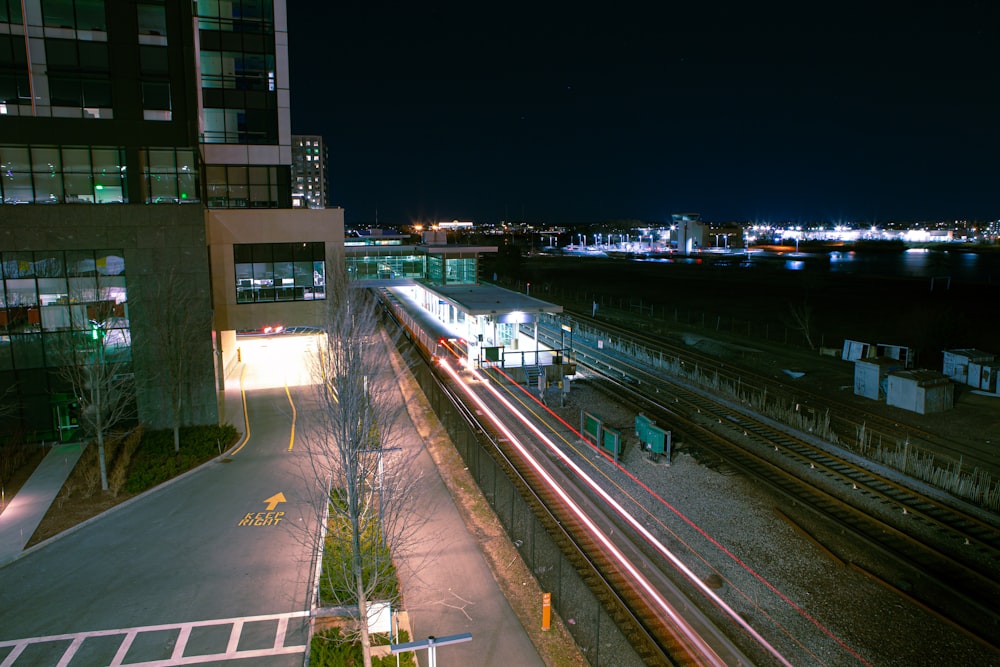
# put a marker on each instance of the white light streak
(665, 606)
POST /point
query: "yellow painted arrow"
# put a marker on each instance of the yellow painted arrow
(273, 501)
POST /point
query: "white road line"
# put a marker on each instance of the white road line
(181, 644)
(70, 652)
(123, 649)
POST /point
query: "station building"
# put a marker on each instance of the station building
(442, 280)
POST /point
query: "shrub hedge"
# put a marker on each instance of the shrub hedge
(155, 461)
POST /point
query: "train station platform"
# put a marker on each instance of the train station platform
(490, 324)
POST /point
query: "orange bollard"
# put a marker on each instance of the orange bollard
(546, 610)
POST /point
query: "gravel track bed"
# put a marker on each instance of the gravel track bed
(843, 616)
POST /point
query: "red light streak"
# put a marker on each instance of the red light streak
(652, 540)
(699, 644)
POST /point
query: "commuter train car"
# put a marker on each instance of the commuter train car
(435, 340)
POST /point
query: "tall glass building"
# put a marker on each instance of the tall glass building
(140, 141)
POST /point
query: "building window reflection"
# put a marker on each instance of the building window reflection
(51, 301)
(270, 272)
(62, 174)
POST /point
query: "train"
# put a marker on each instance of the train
(435, 340)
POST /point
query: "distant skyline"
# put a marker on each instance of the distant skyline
(852, 111)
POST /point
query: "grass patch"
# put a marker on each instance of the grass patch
(337, 582)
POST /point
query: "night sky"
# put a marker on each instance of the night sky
(582, 112)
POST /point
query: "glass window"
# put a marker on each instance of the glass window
(14, 158)
(279, 272)
(27, 349)
(156, 95)
(58, 13)
(165, 180)
(97, 93)
(50, 265)
(110, 262)
(162, 161)
(80, 263)
(90, 15)
(61, 54)
(45, 159)
(215, 126)
(18, 265)
(21, 292)
(93, 56)
(208, 8)
(187, 188)
(163, 189)
(10, 12)
(8, 87)
(53, 296)
(106, 161)
(79, 188)
(186, 161)
(76, 160)
(153, 60)
(65, 92)
(17, 188)
(48, 188)
(152, 19)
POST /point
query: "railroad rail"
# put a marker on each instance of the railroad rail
(956, 569)
(658, 638)
(848, 423)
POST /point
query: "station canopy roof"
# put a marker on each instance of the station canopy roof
(490, 299)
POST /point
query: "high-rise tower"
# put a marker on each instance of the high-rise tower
(146, 140)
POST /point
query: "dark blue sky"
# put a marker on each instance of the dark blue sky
(583, 112)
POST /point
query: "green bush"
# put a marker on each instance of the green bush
(155, 461)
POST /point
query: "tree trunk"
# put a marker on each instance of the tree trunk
(100, 460)
(102, 464)
(366, 642)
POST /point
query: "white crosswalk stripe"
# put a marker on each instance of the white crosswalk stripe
(179, 654)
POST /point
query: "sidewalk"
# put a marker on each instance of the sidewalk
(446, 581)
(25, 510)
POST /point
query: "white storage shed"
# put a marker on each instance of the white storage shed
(920, 391)
(870, 376)
(956, 362)
(983, 376)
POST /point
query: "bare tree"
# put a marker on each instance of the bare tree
(96, 362)
(178, 325)
(801, 320)
(372, 491)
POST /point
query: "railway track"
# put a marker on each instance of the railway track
(953, 572)
(655, 641)
(847, 422)
(708, 421)
(648, 607)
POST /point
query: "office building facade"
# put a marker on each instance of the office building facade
(309, 172)
(141, 143)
